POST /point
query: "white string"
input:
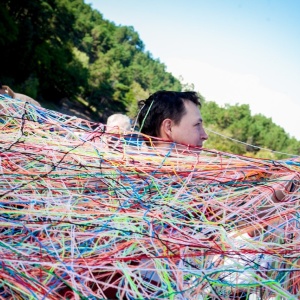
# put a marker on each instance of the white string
(261, 148)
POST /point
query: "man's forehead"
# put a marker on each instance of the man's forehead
(191, 107)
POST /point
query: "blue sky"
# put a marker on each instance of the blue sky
(232, 51)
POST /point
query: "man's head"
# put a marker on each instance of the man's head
(173, 116)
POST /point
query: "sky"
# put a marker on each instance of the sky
(233, 51)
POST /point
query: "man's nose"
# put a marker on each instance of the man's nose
(204, 135)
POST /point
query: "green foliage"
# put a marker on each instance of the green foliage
(8, 28)
(242, 133)
(30, 87)
(135, 93)
(74, 52)
(42, 48)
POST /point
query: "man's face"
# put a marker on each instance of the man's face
(190, 129)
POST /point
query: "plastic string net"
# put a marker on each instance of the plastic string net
(89, 214)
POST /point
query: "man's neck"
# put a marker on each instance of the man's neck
(165, 147)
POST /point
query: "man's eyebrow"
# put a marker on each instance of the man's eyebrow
(198, 121)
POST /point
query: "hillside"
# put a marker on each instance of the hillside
(67, 56)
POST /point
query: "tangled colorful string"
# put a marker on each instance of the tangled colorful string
(86, 214)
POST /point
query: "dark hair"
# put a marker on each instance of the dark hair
(163, 105)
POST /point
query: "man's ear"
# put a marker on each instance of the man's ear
(166, 129)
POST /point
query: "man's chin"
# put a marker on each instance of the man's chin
(199, 146)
